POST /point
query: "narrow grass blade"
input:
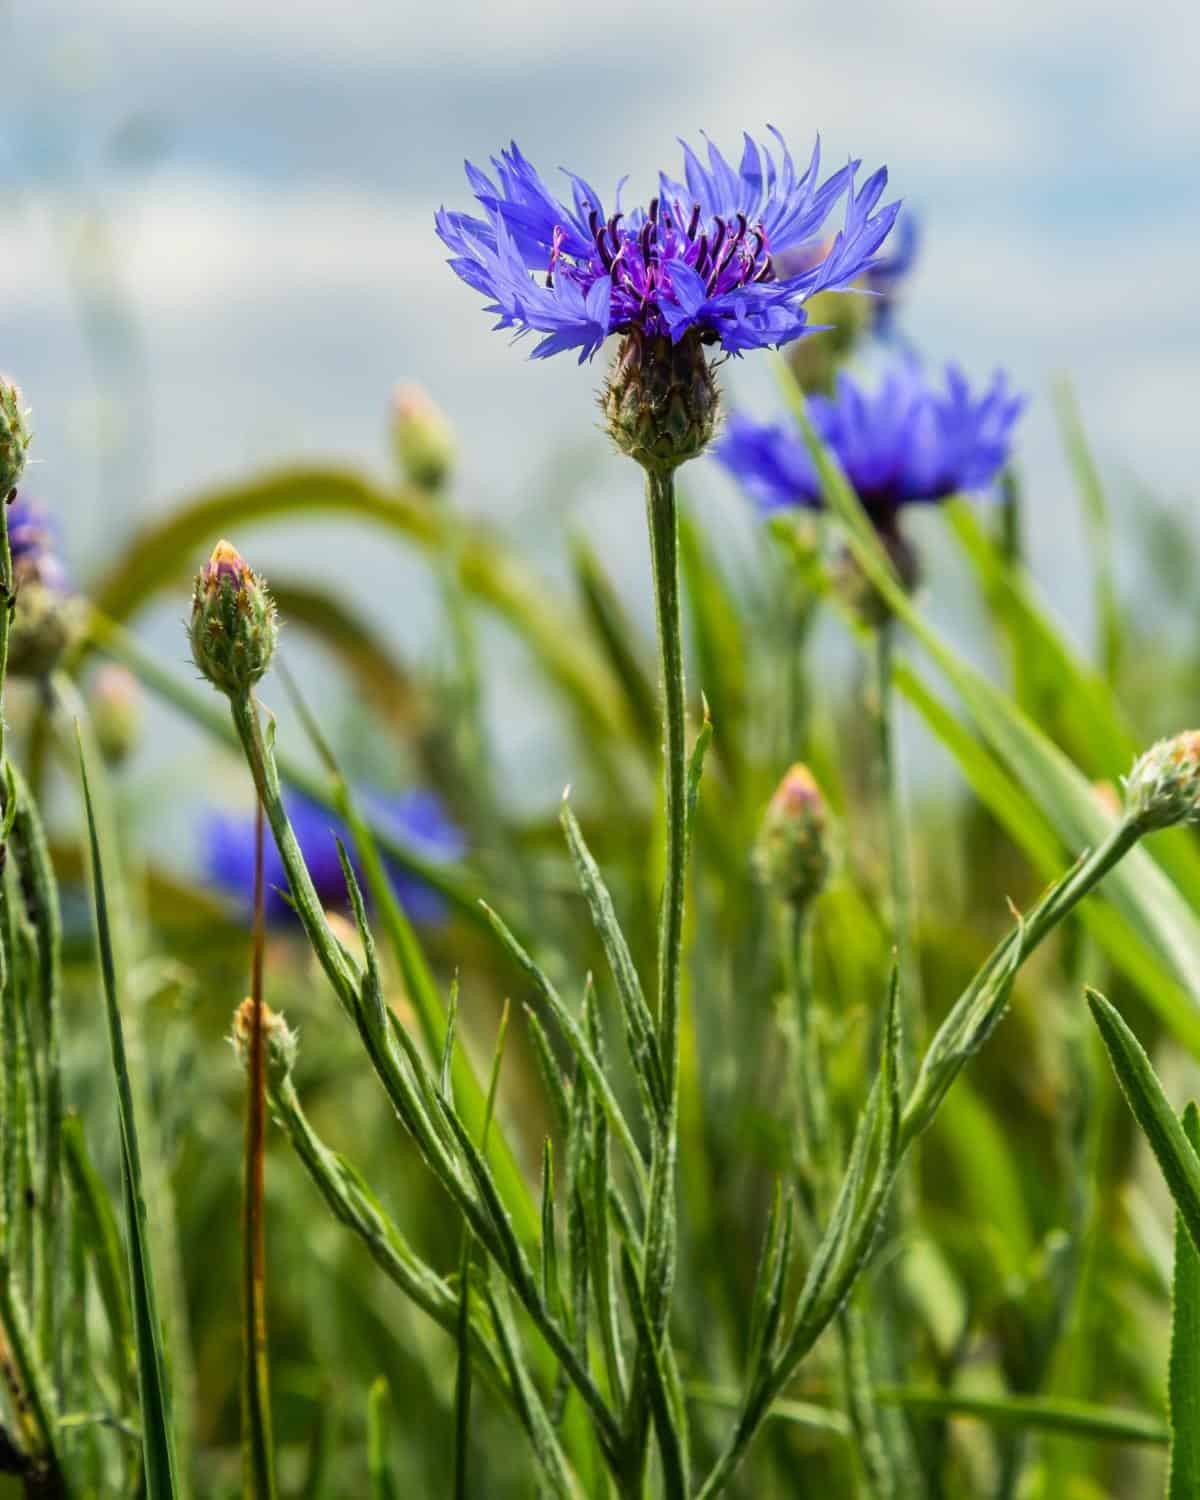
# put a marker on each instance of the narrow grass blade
(462, 1379)
(103, 1240)
(670, 1448)
(1183, 1402)
(801, 1413)
(529, 1403)
(579, 1044)
(1040, 1413)
(379, 1464)
(1139, 1083)
(158, 1437)
(639, 1023)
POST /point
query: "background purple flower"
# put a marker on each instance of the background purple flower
(907, 442)
(417, 817)
(702, 255)
(31, 540)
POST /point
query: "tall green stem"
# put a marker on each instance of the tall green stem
(662, 514)
(898, 858)
(6, 607)
(659, 1274)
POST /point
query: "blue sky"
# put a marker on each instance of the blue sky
(263, 267)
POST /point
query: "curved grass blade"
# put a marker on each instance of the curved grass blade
(164, 549)
(1042, 1413)
(1183, 1401)
(158, 1436)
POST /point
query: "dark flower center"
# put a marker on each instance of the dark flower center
(726, 253)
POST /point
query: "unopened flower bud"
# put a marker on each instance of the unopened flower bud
(792, 854)
(661, 400)
(116, 709)
(840, 319)
(234, 625)
(1164, 786)
(45, 622)
(422, 439)
(279, 1040)
(14, 438)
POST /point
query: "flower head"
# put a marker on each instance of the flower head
(792, 853)
(703, 256)
(14, 437)
(234, 624)
(1164, 786)
(908, 442)
(416, 816)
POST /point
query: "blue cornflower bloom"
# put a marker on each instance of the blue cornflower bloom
(908, 442)
(702, 257)
(417, 816)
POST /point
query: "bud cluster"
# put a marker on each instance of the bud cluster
(1164, 786)
(234, 625)
(660, 403)
(14, 438)
(792, 853)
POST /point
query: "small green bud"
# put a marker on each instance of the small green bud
(45, 622)
(1164, 786)
(661, 400)
(422, 439)
(280, 1042)
(792, 854)
(234, 625)
(14, 438)
(841, 320)
(116, 710)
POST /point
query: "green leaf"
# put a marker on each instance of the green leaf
(639, 1023)
(1041, 1413)
(158, 1437)
(1139, 1083)
(1183, 1405)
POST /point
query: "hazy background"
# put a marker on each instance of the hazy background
(216, 241)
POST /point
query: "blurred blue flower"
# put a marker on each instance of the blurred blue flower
(908, 442)
(416, 817)
(888, 273)
(31, 541)
(702, 255)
